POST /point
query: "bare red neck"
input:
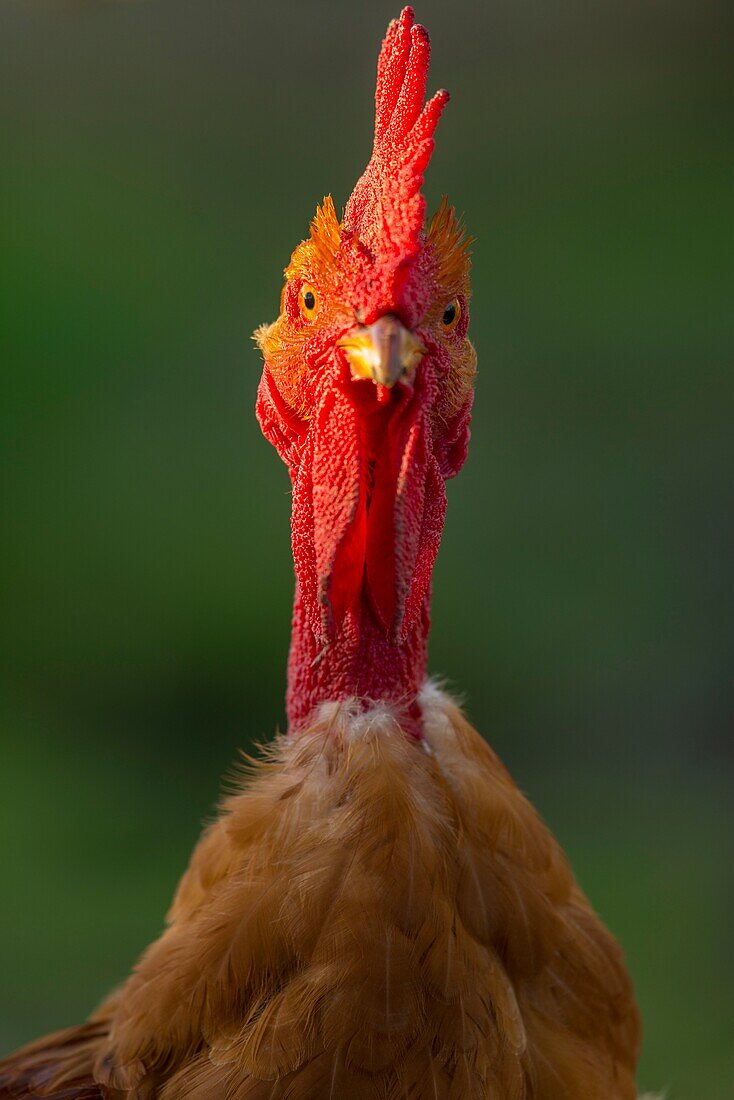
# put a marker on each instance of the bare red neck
(360, 663)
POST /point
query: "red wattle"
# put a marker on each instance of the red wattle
(367, 516)
(339, 507)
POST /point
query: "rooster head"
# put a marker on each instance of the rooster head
(368, 378)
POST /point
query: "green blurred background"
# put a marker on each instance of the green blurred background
(158, 162)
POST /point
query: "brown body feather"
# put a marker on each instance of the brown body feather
(369, 917)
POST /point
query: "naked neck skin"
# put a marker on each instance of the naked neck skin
(360, 662)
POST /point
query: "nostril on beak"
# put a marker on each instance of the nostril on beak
(384, 351)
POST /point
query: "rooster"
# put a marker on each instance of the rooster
(377, 913)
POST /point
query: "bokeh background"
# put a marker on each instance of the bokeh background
(158, 162)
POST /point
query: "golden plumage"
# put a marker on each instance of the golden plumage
(369, 917)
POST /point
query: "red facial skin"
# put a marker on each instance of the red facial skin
(368, 463)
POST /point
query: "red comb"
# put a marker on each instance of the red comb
(386, 208)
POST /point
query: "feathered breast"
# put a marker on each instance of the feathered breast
(373, 917)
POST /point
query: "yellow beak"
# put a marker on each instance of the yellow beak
(383, 351)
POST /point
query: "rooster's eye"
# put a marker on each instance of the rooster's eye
(451, 315)
(308, 301)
